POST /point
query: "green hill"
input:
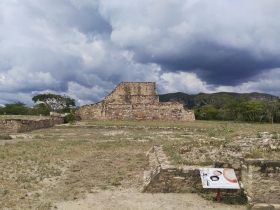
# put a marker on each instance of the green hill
(200, 99)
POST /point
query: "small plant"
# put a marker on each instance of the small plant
(216, 143)
(5, 137)
(104, 187)
(19, 137)
(38, 137)
(115, 182)
(5, 192)
(274, 136)
(70, 118)
(2, 156)
(211, 133)
(248, 206)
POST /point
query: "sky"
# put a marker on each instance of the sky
(85, 48)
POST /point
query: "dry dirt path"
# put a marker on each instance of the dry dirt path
(131, 198)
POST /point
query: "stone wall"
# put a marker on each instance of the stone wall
(260, 179)
(137, 101)
(165, 177)
(21, 125)
(133, 92)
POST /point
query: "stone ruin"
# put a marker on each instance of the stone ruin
(17, 125)
(135, 101)
(259, 178)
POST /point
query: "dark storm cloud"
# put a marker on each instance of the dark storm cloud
(82, 15)
(218, 65)
(89, 21)
(86, 48)
(223, 42)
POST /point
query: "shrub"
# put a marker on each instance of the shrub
(5, 137)
(70, 118)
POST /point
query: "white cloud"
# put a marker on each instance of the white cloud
(268, 82)
(182, 82)
(85, 48)
(17, 80)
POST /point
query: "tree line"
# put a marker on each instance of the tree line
(208, 107)
(239, 109)
(46, 103)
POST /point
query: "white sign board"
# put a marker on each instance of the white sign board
(223, 178)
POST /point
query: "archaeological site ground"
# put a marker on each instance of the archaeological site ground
(130, 151)
(111, 164)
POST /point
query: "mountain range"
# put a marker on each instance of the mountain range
(200, 99)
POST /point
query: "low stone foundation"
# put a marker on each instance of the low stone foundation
(164, 177)
(21, 125)
(260, 179)
(261, 182)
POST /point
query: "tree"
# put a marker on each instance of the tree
(2, 110)
(251, 110)
(40, 109)
(207, 112)
(55, 102)
(271, 109)
(218, 100)
(232, 108)
(17, 108)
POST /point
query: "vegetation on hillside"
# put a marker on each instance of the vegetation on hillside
(253, 107)
(250, 107)
(47, 103)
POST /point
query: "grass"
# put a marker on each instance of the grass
(221, 142)
(22, 117)
(106, 154)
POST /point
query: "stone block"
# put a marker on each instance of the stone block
(262, 206)
(276, 206)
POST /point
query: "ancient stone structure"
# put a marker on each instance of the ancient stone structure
(21, 125)
(137, 101)
(164, 177)
(260, 179)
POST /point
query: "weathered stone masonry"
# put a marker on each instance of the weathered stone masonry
(22, 125)
(261, 181)
(137, 101)
(259, 178)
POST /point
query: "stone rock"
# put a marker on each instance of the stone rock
(263, 206)
(184, 150)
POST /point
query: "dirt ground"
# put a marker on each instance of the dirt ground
(126, 195)
(85, 187)
(86, 166)
(131, 198)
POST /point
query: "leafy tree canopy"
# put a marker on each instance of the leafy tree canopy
(17, 108)
(2, 110)
(40, 109)
(55, 102)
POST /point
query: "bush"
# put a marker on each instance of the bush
(70, 118)
(5, 137)
(2, 111)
